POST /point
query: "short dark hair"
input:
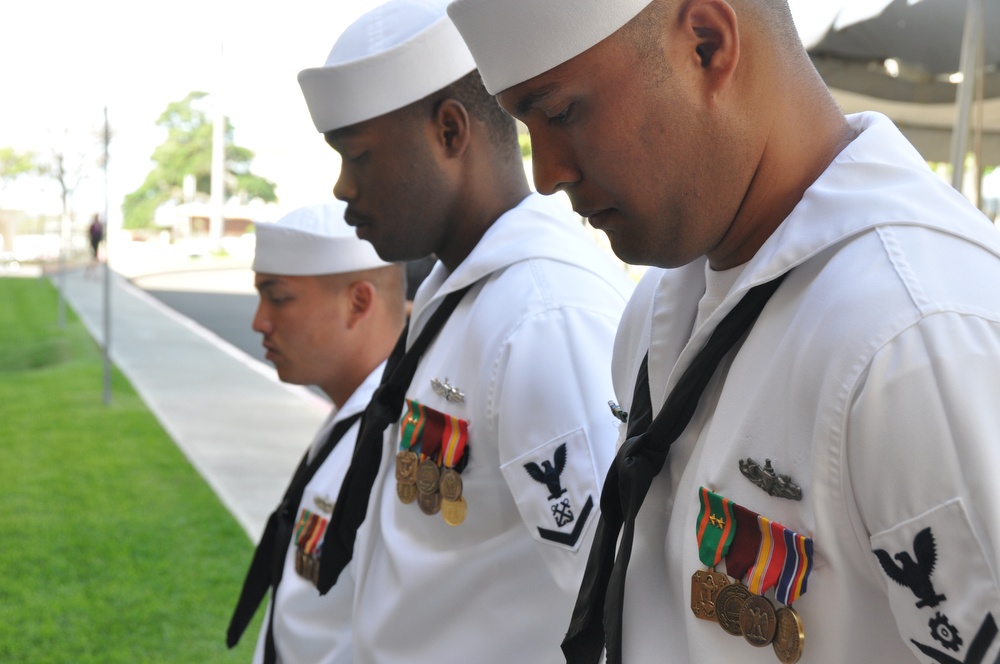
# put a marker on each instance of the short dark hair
(480, 104)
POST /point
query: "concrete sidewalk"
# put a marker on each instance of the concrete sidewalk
(241, 428)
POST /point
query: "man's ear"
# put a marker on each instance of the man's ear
(713, 32)
(361, 302)
(451, 124)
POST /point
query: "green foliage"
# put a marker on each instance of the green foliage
(114, 549)
(187, 150)
(525, 142)
(14, 164)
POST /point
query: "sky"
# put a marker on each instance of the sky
(62, 62)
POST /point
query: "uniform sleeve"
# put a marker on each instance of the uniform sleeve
(924, 461)
(556, 432)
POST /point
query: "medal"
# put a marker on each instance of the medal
(411, 427)
(705, 588)
(454, 511)
(758, 620)
(429, 503)
(406, 467)
(742, 553)
(450, 484)
(789, 637)
(427, 476)
(728, 604)
(433, 452)
(407, 493)
(716, 527)
(757, 617)
(308, 536)
(453, 459)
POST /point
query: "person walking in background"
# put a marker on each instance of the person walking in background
(329, 313)
(95, 233)
(818, 343)
(477, 489)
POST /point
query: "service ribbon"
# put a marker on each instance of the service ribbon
(317, 536)
(300, 526)
(798, 565)
(716, 527)
(308, 531)
(770, 557)
(413, 425)
(746, 543)
(433, 434)
(456, 435)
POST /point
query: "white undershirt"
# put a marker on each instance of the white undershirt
(717, 286)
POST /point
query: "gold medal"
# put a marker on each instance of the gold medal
(454, 511)
(406, 467)
(789, 637)
(758, 620)
(705, 587)
(727, 607)
(407, 492)
(450, 484)
(429, 503)
(428, 475)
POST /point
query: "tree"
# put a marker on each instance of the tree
(14, 164)
(67, 171)
(187, 150)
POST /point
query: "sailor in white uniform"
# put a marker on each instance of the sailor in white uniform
(488, 474)
(821, 333)
(330, 311)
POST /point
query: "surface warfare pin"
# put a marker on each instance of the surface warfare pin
(450, 393)
(774, 483)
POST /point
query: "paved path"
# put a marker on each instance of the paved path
(240, 427)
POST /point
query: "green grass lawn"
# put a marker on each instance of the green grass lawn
(112, 547)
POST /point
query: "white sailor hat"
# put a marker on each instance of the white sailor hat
(394, 55)
(312, 240)
(514, 40)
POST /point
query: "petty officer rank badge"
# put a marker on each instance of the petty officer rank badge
(433, 452)
(941, 587)
(770, 556)
(555, 487)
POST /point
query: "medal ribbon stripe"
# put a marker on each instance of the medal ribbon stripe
(413, 425)
(806, 545)
(714, 539)
(317, 536)
(303, 519)
(798, 565)
(433, 433)
(307, 531)
(746, 542)
(456, 435)
(756, 581)
(776, 561)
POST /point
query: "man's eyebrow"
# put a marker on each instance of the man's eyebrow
(533, 98)
(266, 284)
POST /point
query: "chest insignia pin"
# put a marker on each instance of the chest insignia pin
(618, 411)
(774, 483)
(450, 393)
(324, 504)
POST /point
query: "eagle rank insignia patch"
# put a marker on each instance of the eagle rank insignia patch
(941, 590)
(556, 489)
